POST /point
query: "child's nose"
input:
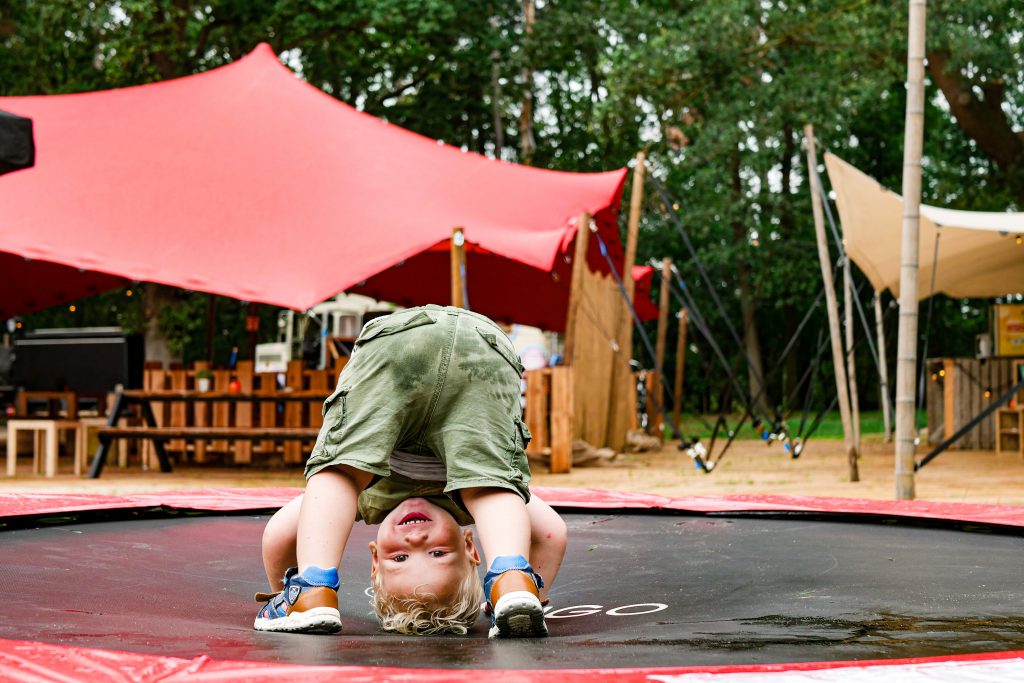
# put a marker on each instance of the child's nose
(415, 537)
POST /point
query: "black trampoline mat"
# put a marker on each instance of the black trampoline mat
(636, 590)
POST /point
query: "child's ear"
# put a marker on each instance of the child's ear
(474, 556)
(374, 561)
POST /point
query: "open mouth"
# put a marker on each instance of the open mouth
(413, 518)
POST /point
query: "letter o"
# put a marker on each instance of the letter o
(618, 611)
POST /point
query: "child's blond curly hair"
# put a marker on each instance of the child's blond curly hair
(423, 615)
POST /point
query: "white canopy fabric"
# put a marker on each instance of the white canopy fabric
(978, 252)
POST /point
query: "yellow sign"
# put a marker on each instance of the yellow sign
(1010, 329)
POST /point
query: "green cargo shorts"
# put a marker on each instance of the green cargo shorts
(431, 379)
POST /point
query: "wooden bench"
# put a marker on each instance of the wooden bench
(158, 435)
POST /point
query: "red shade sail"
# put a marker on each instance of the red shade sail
(248, 182)
(645, 308)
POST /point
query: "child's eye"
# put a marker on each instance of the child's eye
(438, 553)
(400, 558)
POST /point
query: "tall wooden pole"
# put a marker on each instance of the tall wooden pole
(832, 306)
(883, 368)
(680, 365)
(622, 402)
(636, 208)
(906, 350)
(851, 356)
(458, 252)
(655, 424)
(579, 269)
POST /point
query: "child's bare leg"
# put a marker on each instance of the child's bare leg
(327, 515)
(511, 587)
(502, 522)
(279, 543)
(548, 539)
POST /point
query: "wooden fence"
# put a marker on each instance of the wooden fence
(237, 413)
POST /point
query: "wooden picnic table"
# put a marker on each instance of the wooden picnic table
(158, 434)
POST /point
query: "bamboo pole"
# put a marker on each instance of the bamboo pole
(825, 261)
(654, 426)
(458, 251)
(622, 404)
(906, 351)
(680, 364)
(579, 269)
(851, 356)
(883, 368)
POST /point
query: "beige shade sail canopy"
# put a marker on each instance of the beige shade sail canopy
(978, 252)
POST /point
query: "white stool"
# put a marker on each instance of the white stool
(44, 439)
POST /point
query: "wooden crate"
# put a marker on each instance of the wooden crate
(1009, 428)
(549, 416)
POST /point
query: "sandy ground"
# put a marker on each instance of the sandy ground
(748, 468)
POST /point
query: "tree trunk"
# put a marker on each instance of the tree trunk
(982, 118)
(787, 229)
(748, 308)
(155, 297)
(497, 122)
(527, 143)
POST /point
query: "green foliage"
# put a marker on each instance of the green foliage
(119, 308)
(717, 92)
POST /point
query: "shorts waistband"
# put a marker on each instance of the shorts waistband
(456, 311)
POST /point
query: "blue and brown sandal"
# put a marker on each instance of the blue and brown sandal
(308, 603)
(513, 601)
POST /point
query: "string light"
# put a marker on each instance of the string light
(128, 292)
(942, 373)
(72, 308)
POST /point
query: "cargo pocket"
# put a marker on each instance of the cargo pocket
(524, 433)
(503, 348)
(336, 402)
(519, 466)
(393, 327)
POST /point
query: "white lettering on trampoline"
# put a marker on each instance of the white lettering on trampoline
(624, 611)
(652, 607)
(577, 611)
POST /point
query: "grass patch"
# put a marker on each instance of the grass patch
(872, 425)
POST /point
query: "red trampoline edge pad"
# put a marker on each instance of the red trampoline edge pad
(236, 500)
(28, 661)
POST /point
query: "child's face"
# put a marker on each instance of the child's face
(420, 549)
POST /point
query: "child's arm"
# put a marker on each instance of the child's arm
(548, 537)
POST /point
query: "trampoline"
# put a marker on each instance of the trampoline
(158, 587)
